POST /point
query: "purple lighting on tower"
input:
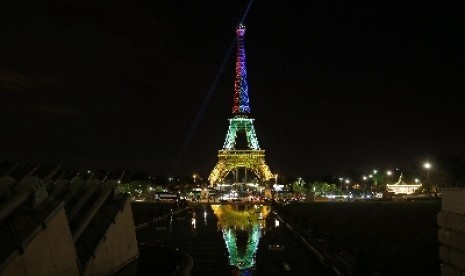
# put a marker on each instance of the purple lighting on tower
(241, 93)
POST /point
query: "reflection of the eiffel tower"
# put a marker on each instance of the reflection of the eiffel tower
(246, 258)
(237, 224)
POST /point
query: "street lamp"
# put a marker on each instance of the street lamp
(276, 179)
(347, 183)
(340, 179)
(364, 185)
(375, 179)
(389, 174)
(427, 166)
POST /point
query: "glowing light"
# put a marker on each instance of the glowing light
(245, 259)
(194, 223)
(241, 93)
(229, 158)
(249, 221)
(400, 187)
(278, 187)
(241, 124)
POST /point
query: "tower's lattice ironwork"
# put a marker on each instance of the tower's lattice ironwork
(230, 158)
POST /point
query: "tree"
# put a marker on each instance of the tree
(299, 187)
(378, 180)
(137, 188)
(323, 188)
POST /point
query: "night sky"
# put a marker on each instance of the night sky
(335, 86)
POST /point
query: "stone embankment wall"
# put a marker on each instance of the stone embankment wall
(59, 226)
(50, 252)
(451, 234)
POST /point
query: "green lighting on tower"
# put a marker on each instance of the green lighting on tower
(246, 258)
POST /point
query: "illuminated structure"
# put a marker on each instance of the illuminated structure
(236, 225)
(230, 158)
(400, 187)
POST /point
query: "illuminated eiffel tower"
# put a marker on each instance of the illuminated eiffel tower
(230, 158)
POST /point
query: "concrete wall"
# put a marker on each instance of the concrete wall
(451, 234)
(119, 246)
(51, 252)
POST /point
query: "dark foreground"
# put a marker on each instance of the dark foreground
(196, 233)
(365, 238)
(383, 238)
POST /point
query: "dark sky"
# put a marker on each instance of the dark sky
(335, 86)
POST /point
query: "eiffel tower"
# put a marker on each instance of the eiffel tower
(230, 158)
